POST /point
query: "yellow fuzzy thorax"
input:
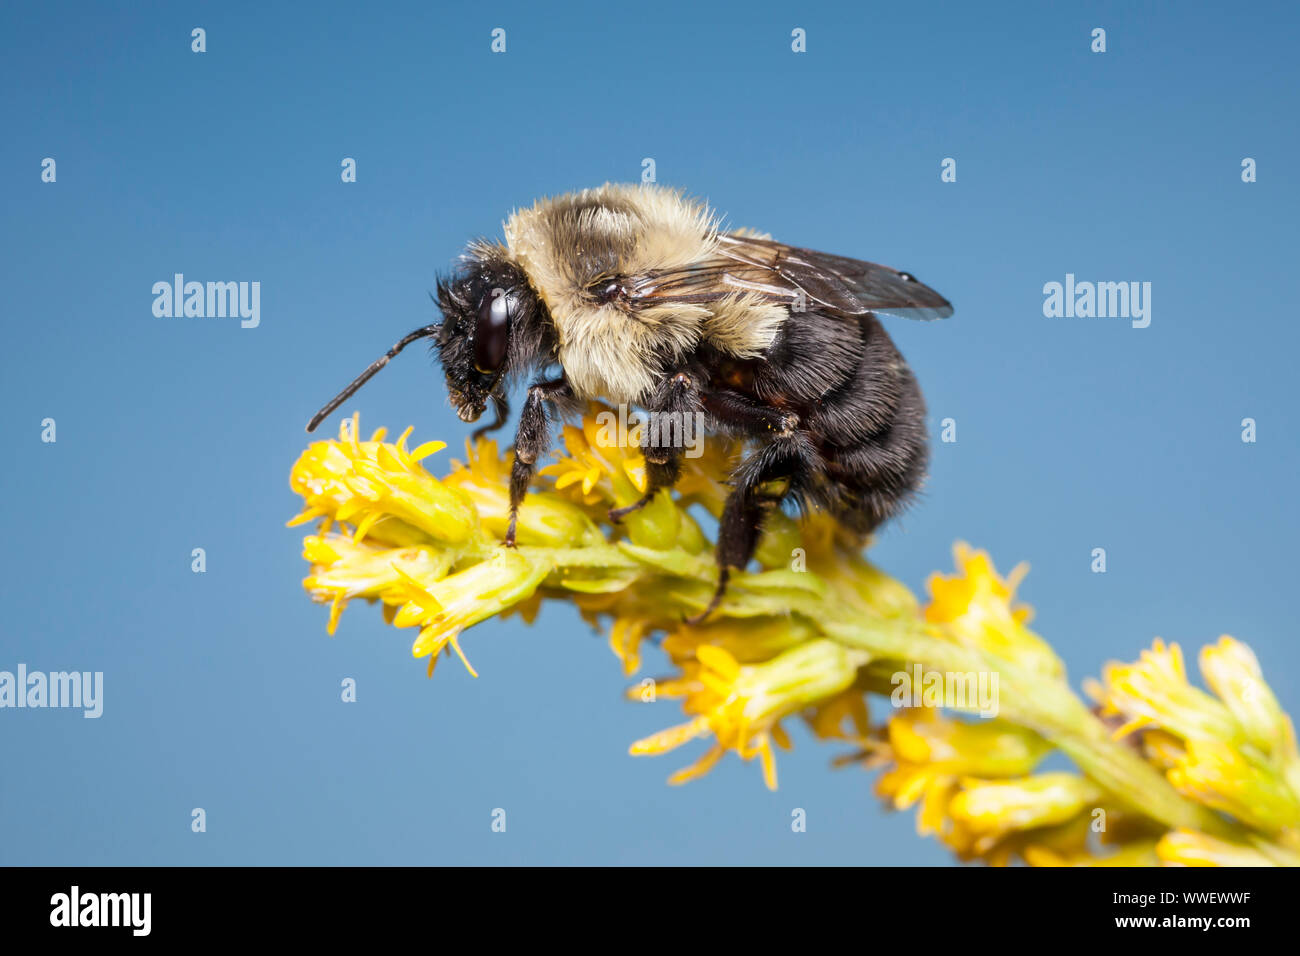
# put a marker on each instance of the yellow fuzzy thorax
(643, 229)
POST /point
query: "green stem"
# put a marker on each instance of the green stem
(1045, 705)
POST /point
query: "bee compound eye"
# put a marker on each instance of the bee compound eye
(492, 330)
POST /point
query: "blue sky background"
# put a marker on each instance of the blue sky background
(222, 689)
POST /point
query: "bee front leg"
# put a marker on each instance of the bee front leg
(663, 438)
(532, 439)
(501, 410)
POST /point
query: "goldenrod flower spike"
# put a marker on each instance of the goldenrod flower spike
(1166, 774)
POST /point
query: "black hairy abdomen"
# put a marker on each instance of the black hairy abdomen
(861, 447)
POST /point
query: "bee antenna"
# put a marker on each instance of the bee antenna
(368, 374)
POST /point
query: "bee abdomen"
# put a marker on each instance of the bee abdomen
(857, 448)
(872, 479)
(871, 437)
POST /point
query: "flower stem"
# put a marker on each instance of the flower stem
(1045, 705)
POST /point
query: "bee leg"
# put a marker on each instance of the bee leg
(718, 594)
(532, 439)
(789, 456)
(738, 531)
(736, 411)
(659, 474)
(663, 439)
(501, 408)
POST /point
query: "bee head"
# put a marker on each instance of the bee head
(492, 325)
(485, 307)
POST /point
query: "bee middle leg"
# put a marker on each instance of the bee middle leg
(532, 440)
(663, 438)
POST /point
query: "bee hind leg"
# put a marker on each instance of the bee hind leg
(790, 457)
(532, 440)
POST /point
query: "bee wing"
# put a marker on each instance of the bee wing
(782, 273)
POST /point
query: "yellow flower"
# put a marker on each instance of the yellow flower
(1138, 853)
(545, 520)
(598, 469)
(991, 809)
(1154, 692)
(445, 607)
(988, 748)
(601, 473)
(742, 705)
(842, 717)
(1233, 673)
(635, 613)
(1046, 819)
(1190, 848)
(931, 753)
(975, 608)
(1220, 776)
(343, 570)
(366, 483)
(748, 641)
(625, 637)
(703, 480)
(1161, 748)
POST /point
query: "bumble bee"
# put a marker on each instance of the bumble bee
(637, 295)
